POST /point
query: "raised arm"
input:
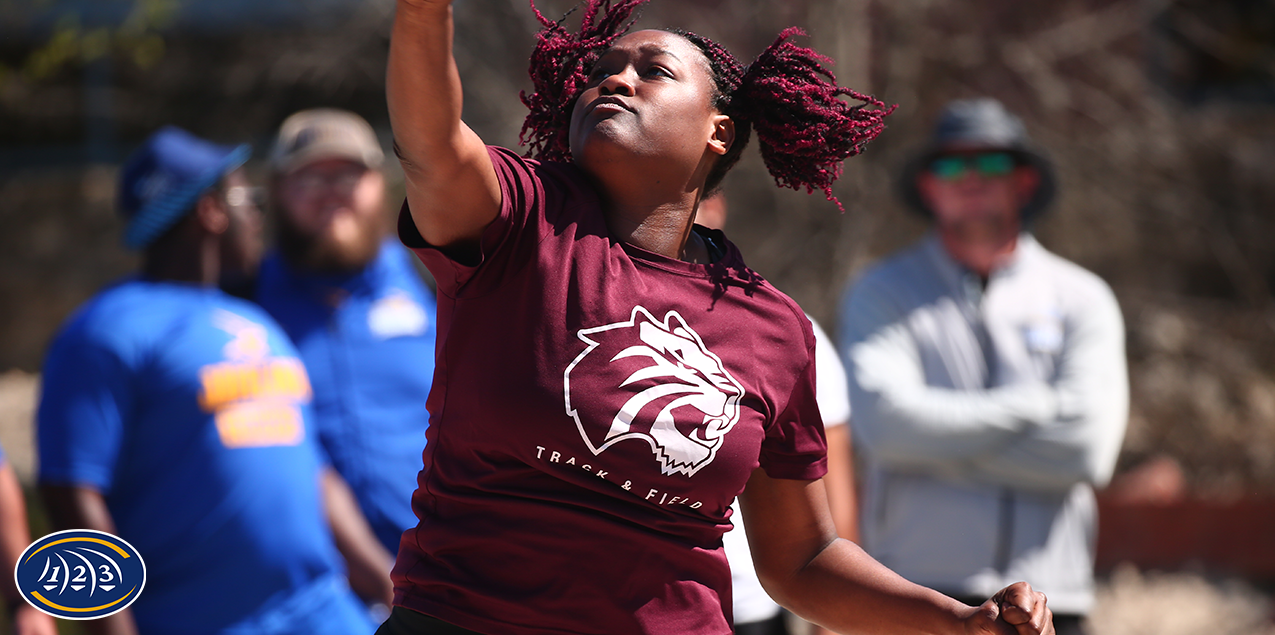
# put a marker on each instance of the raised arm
(451, 185)
(833, 583)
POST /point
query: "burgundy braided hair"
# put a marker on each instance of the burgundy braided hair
(559, 69)
(787, 94)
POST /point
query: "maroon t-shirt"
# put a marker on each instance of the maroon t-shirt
(595, 410)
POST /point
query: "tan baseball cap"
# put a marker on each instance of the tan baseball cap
(324, 133)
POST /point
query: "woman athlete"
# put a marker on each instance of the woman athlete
(610, 376)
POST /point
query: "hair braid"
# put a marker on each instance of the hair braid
(559, 68)
(804, 129)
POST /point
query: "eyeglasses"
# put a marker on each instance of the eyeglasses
(343, 181)
(241, 195)
(955, 167)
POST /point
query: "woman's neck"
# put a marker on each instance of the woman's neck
(658, 225)
(660, 231)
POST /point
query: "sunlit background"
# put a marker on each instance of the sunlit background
(1160, 115)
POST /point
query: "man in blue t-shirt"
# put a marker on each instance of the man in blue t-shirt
(176, 417)
(356, 309)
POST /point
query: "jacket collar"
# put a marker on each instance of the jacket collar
(958, 277)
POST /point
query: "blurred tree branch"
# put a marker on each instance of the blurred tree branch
(137, 37)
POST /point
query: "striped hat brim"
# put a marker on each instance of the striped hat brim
(160, 214)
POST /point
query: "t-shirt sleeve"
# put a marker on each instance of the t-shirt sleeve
(795, 446)
(506, 243)
(86, 397)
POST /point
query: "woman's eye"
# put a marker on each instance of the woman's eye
(658, 71)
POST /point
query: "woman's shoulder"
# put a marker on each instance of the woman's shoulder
(775, 305)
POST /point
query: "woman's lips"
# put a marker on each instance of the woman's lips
(609, 104)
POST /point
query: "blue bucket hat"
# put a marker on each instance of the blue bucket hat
(163, 179)
(982, 123)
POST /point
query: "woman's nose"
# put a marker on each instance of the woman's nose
(620, 83)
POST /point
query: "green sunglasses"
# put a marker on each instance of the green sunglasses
(954, 167)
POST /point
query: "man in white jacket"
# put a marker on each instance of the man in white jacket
(987, 377)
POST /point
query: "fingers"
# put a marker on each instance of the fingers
(1042, 615)
(1025, 609)
(1016, 602)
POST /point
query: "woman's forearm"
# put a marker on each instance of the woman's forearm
(452, 190)
(832, 582)
(848, 591)
(423, 89)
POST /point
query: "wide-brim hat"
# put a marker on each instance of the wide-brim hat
(980, 124)
(163, 179)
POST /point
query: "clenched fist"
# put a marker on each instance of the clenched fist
(1015, 610)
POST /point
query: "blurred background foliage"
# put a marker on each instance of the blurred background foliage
(1160, 115)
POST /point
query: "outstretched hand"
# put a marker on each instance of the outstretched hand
(1015, 610)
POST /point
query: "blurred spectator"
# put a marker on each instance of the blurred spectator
(987, 377)
(14, 538)
(755, 612)
(174, 416)
(360, 316)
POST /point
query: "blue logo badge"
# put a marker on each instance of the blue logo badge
(80, 574)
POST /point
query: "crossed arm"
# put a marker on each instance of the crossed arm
(1028, 434)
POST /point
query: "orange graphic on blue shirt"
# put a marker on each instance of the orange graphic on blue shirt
(255, 398)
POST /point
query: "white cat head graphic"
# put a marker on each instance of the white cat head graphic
(654, 381)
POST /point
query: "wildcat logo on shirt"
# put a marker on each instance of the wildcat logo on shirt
(255, 398)
(665, 388)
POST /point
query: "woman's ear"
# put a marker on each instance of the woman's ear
(723, 135)
(211, 213)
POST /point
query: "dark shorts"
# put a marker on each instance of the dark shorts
(408, 622)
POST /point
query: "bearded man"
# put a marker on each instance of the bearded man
(359, 313)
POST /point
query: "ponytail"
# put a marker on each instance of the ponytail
(805, 131)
